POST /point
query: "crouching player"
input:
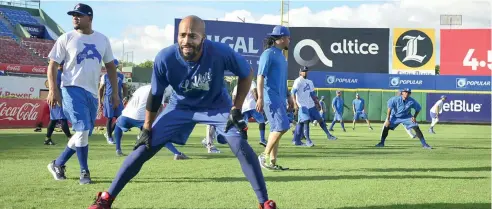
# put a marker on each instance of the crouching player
(399, 111)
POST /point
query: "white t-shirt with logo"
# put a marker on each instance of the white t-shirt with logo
(83, 55)
(136, 106)
(249, 102)
(439, 104)
(303, 95)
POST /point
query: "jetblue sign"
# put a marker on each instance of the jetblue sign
(244, 38)
(462, 107)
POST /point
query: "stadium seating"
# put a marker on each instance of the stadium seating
(11, 52)
(18, 16)
(41, 47)
(5, 31)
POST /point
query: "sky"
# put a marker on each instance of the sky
(145, 27)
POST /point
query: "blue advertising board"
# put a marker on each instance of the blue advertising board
(35, 30)
(244, 38)
(462, 107)
(392, 81)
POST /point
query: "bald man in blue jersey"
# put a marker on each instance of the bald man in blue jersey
(195, 68)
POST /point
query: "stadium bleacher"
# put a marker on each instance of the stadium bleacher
(11, 52)
(40, 47)
(18, 16)
(5, 31)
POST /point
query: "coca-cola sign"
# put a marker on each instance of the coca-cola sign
(31, 69)
(21, 113)
(25, 112)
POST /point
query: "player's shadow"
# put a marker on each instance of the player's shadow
(426, 205)
(286, 178)
(475, 169)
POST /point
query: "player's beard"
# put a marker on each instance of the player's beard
(193, 53)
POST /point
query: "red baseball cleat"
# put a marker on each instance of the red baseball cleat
(270, 204)
(103, 201)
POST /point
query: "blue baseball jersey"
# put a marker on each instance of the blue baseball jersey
(273, 66)
(197, 85)
(109, 88)
(359, 104)
(338, 103)
(323, 105)
(402, 108)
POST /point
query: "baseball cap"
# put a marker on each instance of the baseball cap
(356, 94)
(407, 90)
(304, 69)
(279, 31)
(338, 91)
(443, 96)
(82, 9)
(322, 97)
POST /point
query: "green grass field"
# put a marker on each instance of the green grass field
(347, 173)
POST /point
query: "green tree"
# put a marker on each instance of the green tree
(146, 64)
(438, 69)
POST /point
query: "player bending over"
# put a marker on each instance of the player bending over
(249, 110)
(399, 111)
(134, 116)
(337, 104)
(435, 111)
(359, 108)
(105, 91)
(307, 105)
(195, 68)
(56, 114)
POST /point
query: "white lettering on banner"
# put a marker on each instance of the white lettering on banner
(39, 70)
(239, 45)
(349, 47)
(16, 95)
(347, 80)
(478, 83)
(25, 112)
(411, 82)
(461, 106)
(15, 68)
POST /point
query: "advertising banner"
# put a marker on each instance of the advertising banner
(244, 38)
(22, 87)
(31, 69)
(411, 81)
(358, 50)
(35, 30)
(473, 108)
(463, 83)
(466, 52)
(413, 51)
(22, 113)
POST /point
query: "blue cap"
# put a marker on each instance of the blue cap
(82, 9)
(407, 90)
(116, 62)
(279, 31)
(443, 96)
(304, 69)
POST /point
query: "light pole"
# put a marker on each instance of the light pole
(126, 54)
(242, 20)
(451, 20)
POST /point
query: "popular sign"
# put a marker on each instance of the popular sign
(363, 50)
(466, 52)
(413, 51)
(462, 107)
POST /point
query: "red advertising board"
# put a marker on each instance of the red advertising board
(31, 69)
(466, 52)
(27, 113)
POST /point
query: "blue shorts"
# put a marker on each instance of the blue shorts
(360, 115)
(80, 108)
(175, 125)
(108, 110)
(254, 114)
(56, 113)
(407, 122)
(308, 114)
(126, 123)
(276, 114)
(337, 116)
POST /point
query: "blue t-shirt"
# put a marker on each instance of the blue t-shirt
(109, 88)
(359, 104)
(402, 108)
(338, 103)
(198, 85)
(273, 66)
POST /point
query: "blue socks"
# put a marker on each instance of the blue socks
(332, 124)
(64, 156)
(262, 132)
(298, 134)
(118, 134)
(343, 125)
(172, 148)
(83, 154)
(325, 129)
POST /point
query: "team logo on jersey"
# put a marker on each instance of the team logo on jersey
(89, 52)
(200, 82)
(307, 88)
